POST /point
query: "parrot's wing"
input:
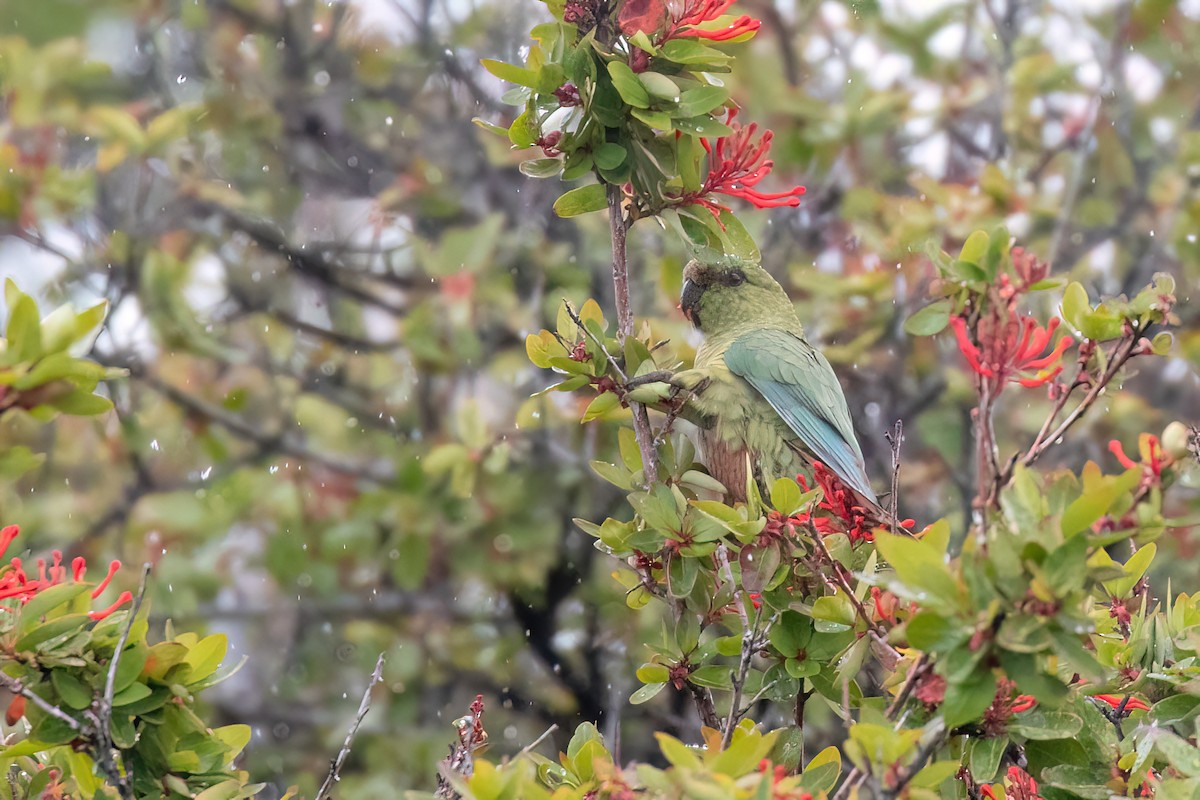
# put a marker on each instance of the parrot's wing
(802, 388)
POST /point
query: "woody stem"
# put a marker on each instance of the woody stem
(618, 227)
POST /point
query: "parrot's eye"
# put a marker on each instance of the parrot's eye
(737, 278)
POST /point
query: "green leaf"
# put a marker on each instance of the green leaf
(1135, 568)
(690, 51)
(581, 200)
(541, 167)
(658, 85)
(602, 406)
(609, 155)
(974, 249)
(984, 756)
(702, 100)
(967, 701)
(511, 73)
(931, 319)
(24, 331)
(627, 85)
(1042, 724)
(713, 676)
(131, 694)
(1075, 305)
(74, 692)
(646, 693)
(48, 600)
(205, 656)
(524, 131)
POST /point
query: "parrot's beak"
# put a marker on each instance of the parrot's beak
(689, 301)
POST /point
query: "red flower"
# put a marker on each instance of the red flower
(885, 604)
(641, 15)
(1151, 450)
(931, 690)
(1023, 702)
(16, 583)
(697, 12)
(736, 163)
(1004, 706)
(1021, 785)
(1131, 704)
(549, 143)
(568, 96)
(682, 18)
(1010, 348)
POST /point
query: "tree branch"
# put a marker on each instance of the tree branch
(335, 767)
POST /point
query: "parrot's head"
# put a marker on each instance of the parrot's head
(721, 296)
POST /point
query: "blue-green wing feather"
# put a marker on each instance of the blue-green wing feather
(802, 388)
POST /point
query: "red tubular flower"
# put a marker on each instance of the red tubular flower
(698, 12)
(736, 163)
(112, 570)
(122, 600)
(7, 535)
(1151, 452)
(1023, 702)
(1011, 347)
(988, 792)
(1117, 450)
(1132, 704)
(840, 501)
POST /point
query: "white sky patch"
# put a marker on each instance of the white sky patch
(1162, 129)
(947, 42)
(205, 288)
(1084, 7)
(1102, 258)
(1144, 79)
(929, 155)
(914, 9)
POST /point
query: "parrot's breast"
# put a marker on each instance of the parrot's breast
(747, 432)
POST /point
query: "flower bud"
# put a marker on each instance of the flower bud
(1175, 439)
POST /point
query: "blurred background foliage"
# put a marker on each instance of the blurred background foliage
(321, 274)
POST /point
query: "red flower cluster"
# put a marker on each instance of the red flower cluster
(931, 690)
(778, 774)
(682, 18)
(1020, 786)
(1004, 705)
(1011, 347)
(736, 163)
(1007, 346)
(16, 584)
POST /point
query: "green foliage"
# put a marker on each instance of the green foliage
(40, 368)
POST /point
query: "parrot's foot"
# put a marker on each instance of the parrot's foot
(658, 376)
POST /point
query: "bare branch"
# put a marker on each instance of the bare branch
(335, 767)
(15, 686)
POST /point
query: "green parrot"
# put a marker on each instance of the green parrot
(760, 389)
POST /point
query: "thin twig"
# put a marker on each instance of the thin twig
(105, 758)
(335, 767)
(17, 687)
(616, 365)
(749, 644)
(896, 440)
(620, 275)
(529, 747)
